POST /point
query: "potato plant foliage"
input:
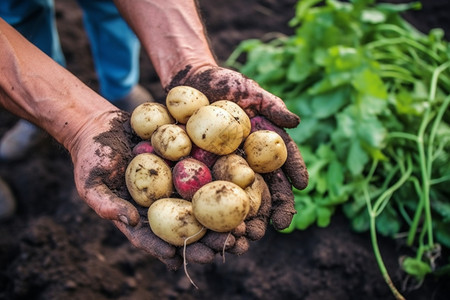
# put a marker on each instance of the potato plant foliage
(373, 94)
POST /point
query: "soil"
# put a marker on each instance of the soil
(56, 247)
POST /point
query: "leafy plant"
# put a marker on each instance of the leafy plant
(373, 95)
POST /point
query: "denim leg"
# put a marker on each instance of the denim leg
(35, 20)
(115, 48)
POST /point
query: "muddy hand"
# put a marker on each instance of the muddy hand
(224, 84)
(100, 156)
(266, 112)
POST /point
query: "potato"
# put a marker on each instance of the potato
(214, 129)
(171, 142)
(148, 178)
(220, 205)
(189, 175)
(183, 101)
(254, 192)
(147, 117)
(234, 168)
(265, 151)
(172, 220)
(206, 157)
(142, 147)
(238, 113)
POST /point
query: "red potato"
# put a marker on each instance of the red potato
(189, 175)
(142, 147)
(206, 157)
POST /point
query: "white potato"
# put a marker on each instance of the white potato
(148, 116)
(215, 130)
(220, 205)
(234, 168)
(172, 220)
(265, 151)
(183, 101)
(238, 113)
(148, 178)
(255, 192)
(171, 142)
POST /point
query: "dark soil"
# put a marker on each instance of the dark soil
(56, 247)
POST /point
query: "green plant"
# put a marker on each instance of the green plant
(373, 94)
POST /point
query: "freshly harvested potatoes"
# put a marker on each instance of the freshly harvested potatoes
(220, 205)
(265, 151)
(234, 168)
(172, 220)
(214, 129)
(238, 113)
(148, 116)
(255, 192)
(148, 178)
(183, 101)
(171, 142)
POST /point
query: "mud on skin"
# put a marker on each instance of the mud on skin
(219, 83)
(119, 140)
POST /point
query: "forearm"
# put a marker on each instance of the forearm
(34, 87)
(171, 33)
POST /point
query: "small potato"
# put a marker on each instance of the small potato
(215, 130)
(142, 147)
(183, 101)
(147, 117)
(220, 205)
(148, 178)
(265, 151)
(206, 157)
(254, 192)
(189, 175)
(234, 168)
(171, 142)
(172, 220)
(238, 113)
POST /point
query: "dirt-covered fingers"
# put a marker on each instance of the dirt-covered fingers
(142, 237)
(283, 208)
(109, 206)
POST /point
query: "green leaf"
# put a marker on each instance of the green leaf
(324, 214)
(442, 232)
(306, 212)
(388, 222)
(357, 158)
(335, 177)
(415, 267)
(329, 103)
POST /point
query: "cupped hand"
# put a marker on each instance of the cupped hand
(266, 111)
(100, 155)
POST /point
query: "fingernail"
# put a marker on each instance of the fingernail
(124, 219)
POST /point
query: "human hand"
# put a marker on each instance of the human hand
(266, 112)
(100, 154)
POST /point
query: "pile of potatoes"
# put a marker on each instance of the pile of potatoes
(198, 165)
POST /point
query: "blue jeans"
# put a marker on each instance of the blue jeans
(115, 48)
